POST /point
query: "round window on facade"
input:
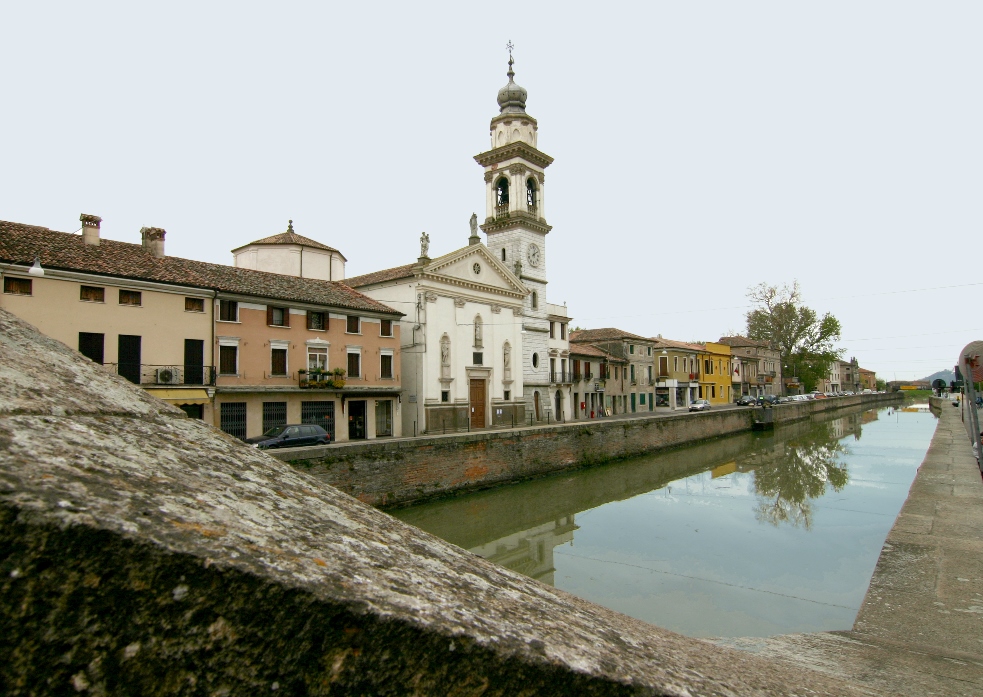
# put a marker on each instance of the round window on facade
(535, 360)
(477, 269)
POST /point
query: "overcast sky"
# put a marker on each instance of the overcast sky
(701, 148)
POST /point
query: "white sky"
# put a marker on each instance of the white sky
(700, 147)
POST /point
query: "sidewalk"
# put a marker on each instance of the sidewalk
(920, 628)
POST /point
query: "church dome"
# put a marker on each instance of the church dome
(512, 98)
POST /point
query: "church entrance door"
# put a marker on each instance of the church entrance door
(477, 404)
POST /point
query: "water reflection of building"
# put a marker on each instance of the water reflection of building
(530, 552)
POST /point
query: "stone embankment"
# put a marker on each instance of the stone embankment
(919, 631)
(145, 553)
(395, 472)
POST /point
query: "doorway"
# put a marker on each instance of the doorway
(559, 406)
(128, 361)
(477, 394)
(356, 420)
(535, 399)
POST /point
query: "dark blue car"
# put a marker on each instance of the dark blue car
(291, 436)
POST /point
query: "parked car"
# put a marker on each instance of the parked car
(291, 436)
(699, 405)
(747, 400)
(767, 399)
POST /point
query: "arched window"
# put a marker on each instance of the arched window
(502, 192)
(531, 198)
(503, 253)
(535, 300)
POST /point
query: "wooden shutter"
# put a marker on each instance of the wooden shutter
(269, 315)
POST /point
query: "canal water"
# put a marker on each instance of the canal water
(756, 534)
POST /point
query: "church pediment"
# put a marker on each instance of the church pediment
(475, 267)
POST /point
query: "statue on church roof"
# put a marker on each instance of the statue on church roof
(424, 245)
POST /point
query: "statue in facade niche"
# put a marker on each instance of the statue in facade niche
(445, 353)
(424, 244)
(508, 356)
(477, 332)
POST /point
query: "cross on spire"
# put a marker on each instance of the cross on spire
(510, 46)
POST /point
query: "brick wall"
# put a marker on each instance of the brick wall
(385, 473)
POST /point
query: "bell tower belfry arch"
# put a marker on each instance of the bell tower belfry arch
(515, 221)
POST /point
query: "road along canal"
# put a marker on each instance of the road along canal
(755, 534)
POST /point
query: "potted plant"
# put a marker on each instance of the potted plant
(338, 377)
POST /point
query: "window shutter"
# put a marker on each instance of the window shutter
(286, 317)
(269, 315)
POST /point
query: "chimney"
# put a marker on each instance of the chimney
(153, 240)
(90, 228)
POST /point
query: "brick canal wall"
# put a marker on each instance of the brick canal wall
(394, 472)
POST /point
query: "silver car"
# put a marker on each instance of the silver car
(699, 405)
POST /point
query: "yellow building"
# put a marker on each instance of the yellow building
(677, 373)
(715, 380)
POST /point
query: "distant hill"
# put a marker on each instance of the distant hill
(946, 375)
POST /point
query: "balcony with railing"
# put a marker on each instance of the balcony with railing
(561, 377)
(165, 375)
(502, 210)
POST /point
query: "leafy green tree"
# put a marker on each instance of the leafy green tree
(803, 338)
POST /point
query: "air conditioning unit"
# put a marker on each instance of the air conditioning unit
(169, 376)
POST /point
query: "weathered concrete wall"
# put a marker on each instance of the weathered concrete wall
(143, 553)
(386, 473)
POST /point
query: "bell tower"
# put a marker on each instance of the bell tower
(515, 223)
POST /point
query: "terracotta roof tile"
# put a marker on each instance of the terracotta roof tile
(743, 341)
(594, 352)
(684, 345)
(603, 334)
(393, 274)
(293, 238)
(60, 250)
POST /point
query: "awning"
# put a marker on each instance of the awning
(181, 396)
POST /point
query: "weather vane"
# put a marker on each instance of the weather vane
(509, 46)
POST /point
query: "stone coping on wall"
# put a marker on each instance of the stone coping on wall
(142, 552)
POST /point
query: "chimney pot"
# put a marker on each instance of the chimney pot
(90, 228)
(153, 240)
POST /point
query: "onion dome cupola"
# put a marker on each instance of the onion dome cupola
(513, 124)
(512, 98)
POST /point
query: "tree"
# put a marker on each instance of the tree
(803, 339)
